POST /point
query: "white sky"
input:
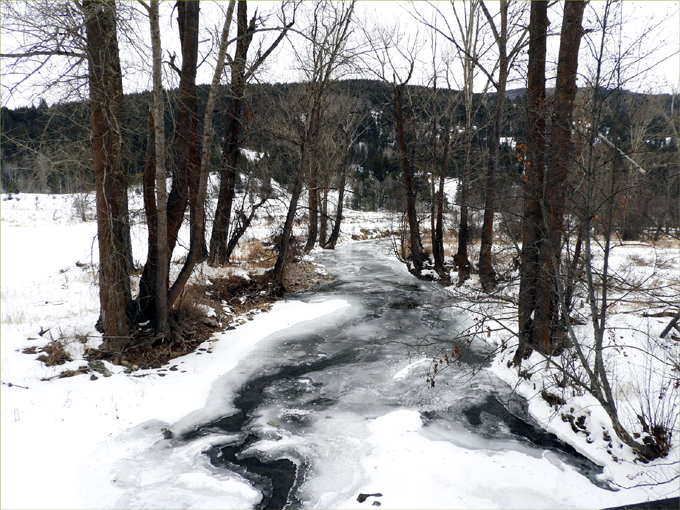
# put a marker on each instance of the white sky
(281, 68)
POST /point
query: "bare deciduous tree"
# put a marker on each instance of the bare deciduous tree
(327, 36)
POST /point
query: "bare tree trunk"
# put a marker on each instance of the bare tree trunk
(547, 312)
(534, 180)
(162, 314)
(335, 232)
(219, 252)
(487, 275)
(187, 159)
(545, 190)
(146, 299)
(283, 247)
(198, 222)
(438, 236)
(113, 231)
(187, 167)
(242, 225)
(417, 255)
(462, 259)
(313, 191)
(323, 220)
(232, 139)
(469, 58)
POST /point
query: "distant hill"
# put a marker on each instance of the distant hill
(47, 148)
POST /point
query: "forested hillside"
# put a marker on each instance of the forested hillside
(46, 149)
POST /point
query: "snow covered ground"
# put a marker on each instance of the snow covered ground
(75, 442)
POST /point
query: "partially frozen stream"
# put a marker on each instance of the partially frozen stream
(338, 406)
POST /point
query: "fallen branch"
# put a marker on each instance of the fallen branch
(673, 323)
(14, 385)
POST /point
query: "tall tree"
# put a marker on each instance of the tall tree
(394, 58)
(167, 222)
(233, 135)
(469, 31)
(197, 227)
(113, 229)
(241, 72)
(186, 146)
(417, 255)
(328, 35)
(162, 251)
(534, 178)
(545, 188)
(506, 58)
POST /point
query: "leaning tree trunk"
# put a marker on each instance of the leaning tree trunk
(283, 246)
(113, 229)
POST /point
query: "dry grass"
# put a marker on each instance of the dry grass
(255, 253)
(54, 354)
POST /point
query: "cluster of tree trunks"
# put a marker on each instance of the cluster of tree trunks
(165, 213)
(545, 185)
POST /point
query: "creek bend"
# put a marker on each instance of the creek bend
(297, 427)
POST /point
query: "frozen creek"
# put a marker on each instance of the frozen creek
(334, 407)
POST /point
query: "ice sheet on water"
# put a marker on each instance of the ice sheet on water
(340, 397)
(141, 469)
(412, 470)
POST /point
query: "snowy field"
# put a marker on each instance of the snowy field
(75, 442)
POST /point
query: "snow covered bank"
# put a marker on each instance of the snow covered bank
(100, 444)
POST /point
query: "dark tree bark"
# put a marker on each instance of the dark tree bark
(113, 229)
(187, 155)
(197, 227)
(146, 299)
(462, 259)
(185, 176)
(323, 219)
(534, 179)
(539, 290)
(487, 275)
(335, 232)
(232, 140)
(313, 191)
(162, 315)
(417, 255)
(440, 166)
(548, 309)
(283, 246)
(242, 224)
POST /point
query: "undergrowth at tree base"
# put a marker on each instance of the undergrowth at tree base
(220, 305)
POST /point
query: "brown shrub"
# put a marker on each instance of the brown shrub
(55, 354)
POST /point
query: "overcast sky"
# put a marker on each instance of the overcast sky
(660, 48)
